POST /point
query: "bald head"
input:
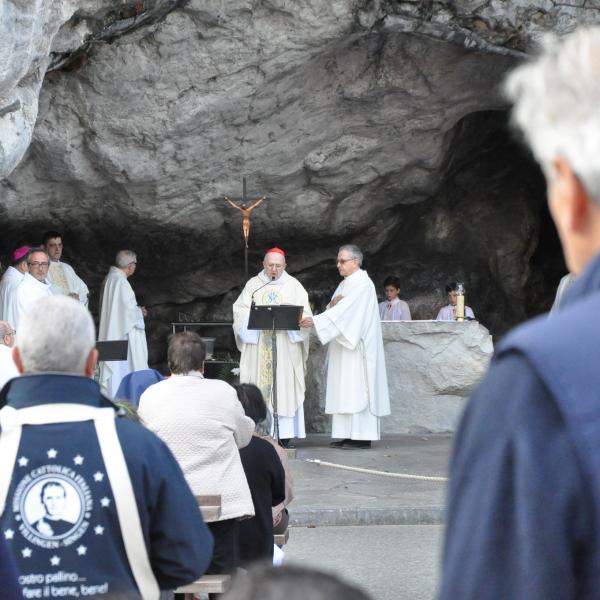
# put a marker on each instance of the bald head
(274, 264)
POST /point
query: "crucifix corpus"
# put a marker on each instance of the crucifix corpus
(246, 212)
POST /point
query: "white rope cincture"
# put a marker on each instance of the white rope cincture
(323, 463)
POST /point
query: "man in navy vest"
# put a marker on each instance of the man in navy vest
(524, 497)
(91, 504)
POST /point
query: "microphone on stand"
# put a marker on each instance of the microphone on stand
(252, 303)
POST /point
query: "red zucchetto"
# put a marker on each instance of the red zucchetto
(275, 251)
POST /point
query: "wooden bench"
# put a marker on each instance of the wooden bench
(281, 539)
(210, 507)
(207, 584)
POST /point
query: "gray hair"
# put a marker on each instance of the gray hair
(556, 98)
(55, 334)
(354, 251)
(124, 258)
(5, 328)
(266, 582)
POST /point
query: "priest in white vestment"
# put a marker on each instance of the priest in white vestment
(10, 281)
(273, 285)
(357, 391)
(61, 275)
(34, 284)
(8, 369)
(121, 319)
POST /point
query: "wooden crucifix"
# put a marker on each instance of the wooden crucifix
(246, 211)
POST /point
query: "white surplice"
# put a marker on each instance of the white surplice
(8, 295)
(29, 291)
(63, 276)
(357, 391)
(448, 313)
(121, 319)
(394, 310)
(292, 350)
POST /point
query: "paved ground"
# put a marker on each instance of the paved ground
(382, 533)
(332, 496)
(390, 562)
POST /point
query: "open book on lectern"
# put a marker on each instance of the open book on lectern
(284, 317)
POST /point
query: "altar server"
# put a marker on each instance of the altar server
(357, 391)
(121, 319)
(273, 285)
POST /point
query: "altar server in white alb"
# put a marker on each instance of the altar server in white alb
(34, 285)
(357, 391)
(10, 280)
(121, 319)
(60, 274)
(273, 285)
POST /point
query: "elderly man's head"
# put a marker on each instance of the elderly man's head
(38, 262)
(556, 98)
(7, 334)
(186, 353)
(56, 334)
(126, 260)
(274, 263)
(349, 259)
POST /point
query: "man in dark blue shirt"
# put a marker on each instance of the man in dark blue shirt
(524, 497)
(92, 505)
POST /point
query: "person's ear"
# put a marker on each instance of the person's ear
(90, 363)
(16, 356)
(572, 195)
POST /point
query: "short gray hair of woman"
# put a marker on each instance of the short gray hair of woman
(124, 258)
(56, 334)
(354, 252)
(556, 97)
(186, 353)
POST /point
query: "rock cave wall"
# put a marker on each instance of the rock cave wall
(376, 123)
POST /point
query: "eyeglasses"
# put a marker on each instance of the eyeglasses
(343, 261)
(43, 265)
(13, 332)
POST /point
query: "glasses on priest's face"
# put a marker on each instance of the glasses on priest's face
(343, 261)
(39, 265)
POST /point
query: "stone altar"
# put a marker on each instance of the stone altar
(432, 367)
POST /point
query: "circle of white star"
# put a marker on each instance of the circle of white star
(23, 461)
(52, 453)
(78, 460)
(26, 552)
(55, 561)
(105, 501)
(98, 530)
(98, 476)
(9, 534)
(81, 550)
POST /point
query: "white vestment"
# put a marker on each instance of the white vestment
(8, 369)
(62, 276)
(120, 319)
(292, 350)
(357, 391)
(8, 296)
(448, 313)
(29, 291)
